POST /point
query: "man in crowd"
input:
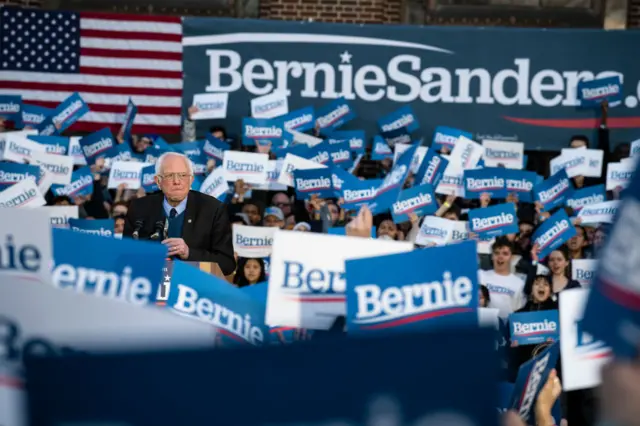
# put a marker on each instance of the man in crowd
(193, 225)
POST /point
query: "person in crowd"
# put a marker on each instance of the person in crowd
(249, 272)
(252, 211)
(119, 208)
(560, 266)
(273, 216)
(197, 225)
(386, 229)
(484, 297)
(302, 227)
(578, 245)
(599, 238)
(283, 202)
(506, 289)
(118, 224)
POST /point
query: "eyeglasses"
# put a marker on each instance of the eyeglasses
(175, 176)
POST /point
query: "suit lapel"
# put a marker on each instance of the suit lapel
(190, 213)
(157, 210)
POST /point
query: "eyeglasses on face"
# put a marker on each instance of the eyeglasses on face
(175, 176)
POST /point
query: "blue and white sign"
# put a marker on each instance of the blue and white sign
(357, 193)
(97, 144)
(592, 93)
(503, 154)
(341, 154)
(215, 185)
(261, 131)
(11, 173)
(333, 115)
(313, 182)
(402, 118)
(419, 200)
(68, 112)
(11, 108)
(443, 292)
(585, 196)
(300, 120)
(392, 184)
(532, 328)
(126, 269)
(532, 376)
(238, 318)
(215, 148)
(270, 106)
(381, 149)
(341, 230)
(129, 118)
(101, 227)
(553, 232)
(253, 241)
(147, 177)
(52, 144)
(490, 180)
(81, 184)
(447, 137)
(33, 115)
(355, 138)
(494, 221)
(210, 106)
(554, 191)
(249, 166)
(431, 169)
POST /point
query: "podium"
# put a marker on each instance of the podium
(208, 267)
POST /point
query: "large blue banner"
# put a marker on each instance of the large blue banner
(523, 89)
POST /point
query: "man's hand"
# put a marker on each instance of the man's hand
(177, 247)
(192, 110)
(361, 225)
(547, 397)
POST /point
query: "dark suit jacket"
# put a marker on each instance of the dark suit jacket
(206, 228)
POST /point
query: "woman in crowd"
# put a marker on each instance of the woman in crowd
(249, 272)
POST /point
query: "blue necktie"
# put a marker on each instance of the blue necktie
(173, 213)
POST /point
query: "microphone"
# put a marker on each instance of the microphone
(165, 230)
(136, 230)
(158, 228)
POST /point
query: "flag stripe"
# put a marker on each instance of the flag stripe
(109, 117)
(131, 35)
(39, 96)
(86, 126)
(131, 18)
(116, 25)
(110, 53)
(70, 88)
(119, 109)
(49, 79)
(153, 46)
(125, 63)
(131, 73)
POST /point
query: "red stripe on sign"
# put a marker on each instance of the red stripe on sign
(122, 72)
(135, 54)
(131, 35)
(123, 17)
(55, 87)
(578, 123)
(118, 109)
(11, 382)
(88, 126)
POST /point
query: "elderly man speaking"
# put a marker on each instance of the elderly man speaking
(194, 226)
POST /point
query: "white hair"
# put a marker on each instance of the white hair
(166, 155)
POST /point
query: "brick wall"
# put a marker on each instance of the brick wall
(633, 14)
(348, 11)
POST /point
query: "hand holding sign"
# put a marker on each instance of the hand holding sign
(361, 225)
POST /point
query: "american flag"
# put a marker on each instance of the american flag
(47, 55)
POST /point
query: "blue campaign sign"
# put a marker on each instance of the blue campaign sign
(612, 312)
(129, 117)
(68, 112)
(553, 232)
(11, 173)
(381, 149)
(492, 180)
(356, 139)
(442, 292)
(585, 196)
(189, 148)
(494, 221)
(402, 118)
(447, 137)
(532, 328)
(521, 183)
(554, 191)
(46, 127)
(357, 193)
(148, 178)
(300, 120)
(261, 131)
(339, 177)
(341, 154)
(392, 184)
(313, 182)
(97, 144)
(33, 115)
(592, 93)
(334, 114)
(101, 227)
(127, 270)
(11, 109)
(81, 184)
(532, 376)
(238, 317)
(52, 144)
(341, 230)
(432, 169)
(457, 392)
(320, 153)
(215, 148)
(419, 200)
